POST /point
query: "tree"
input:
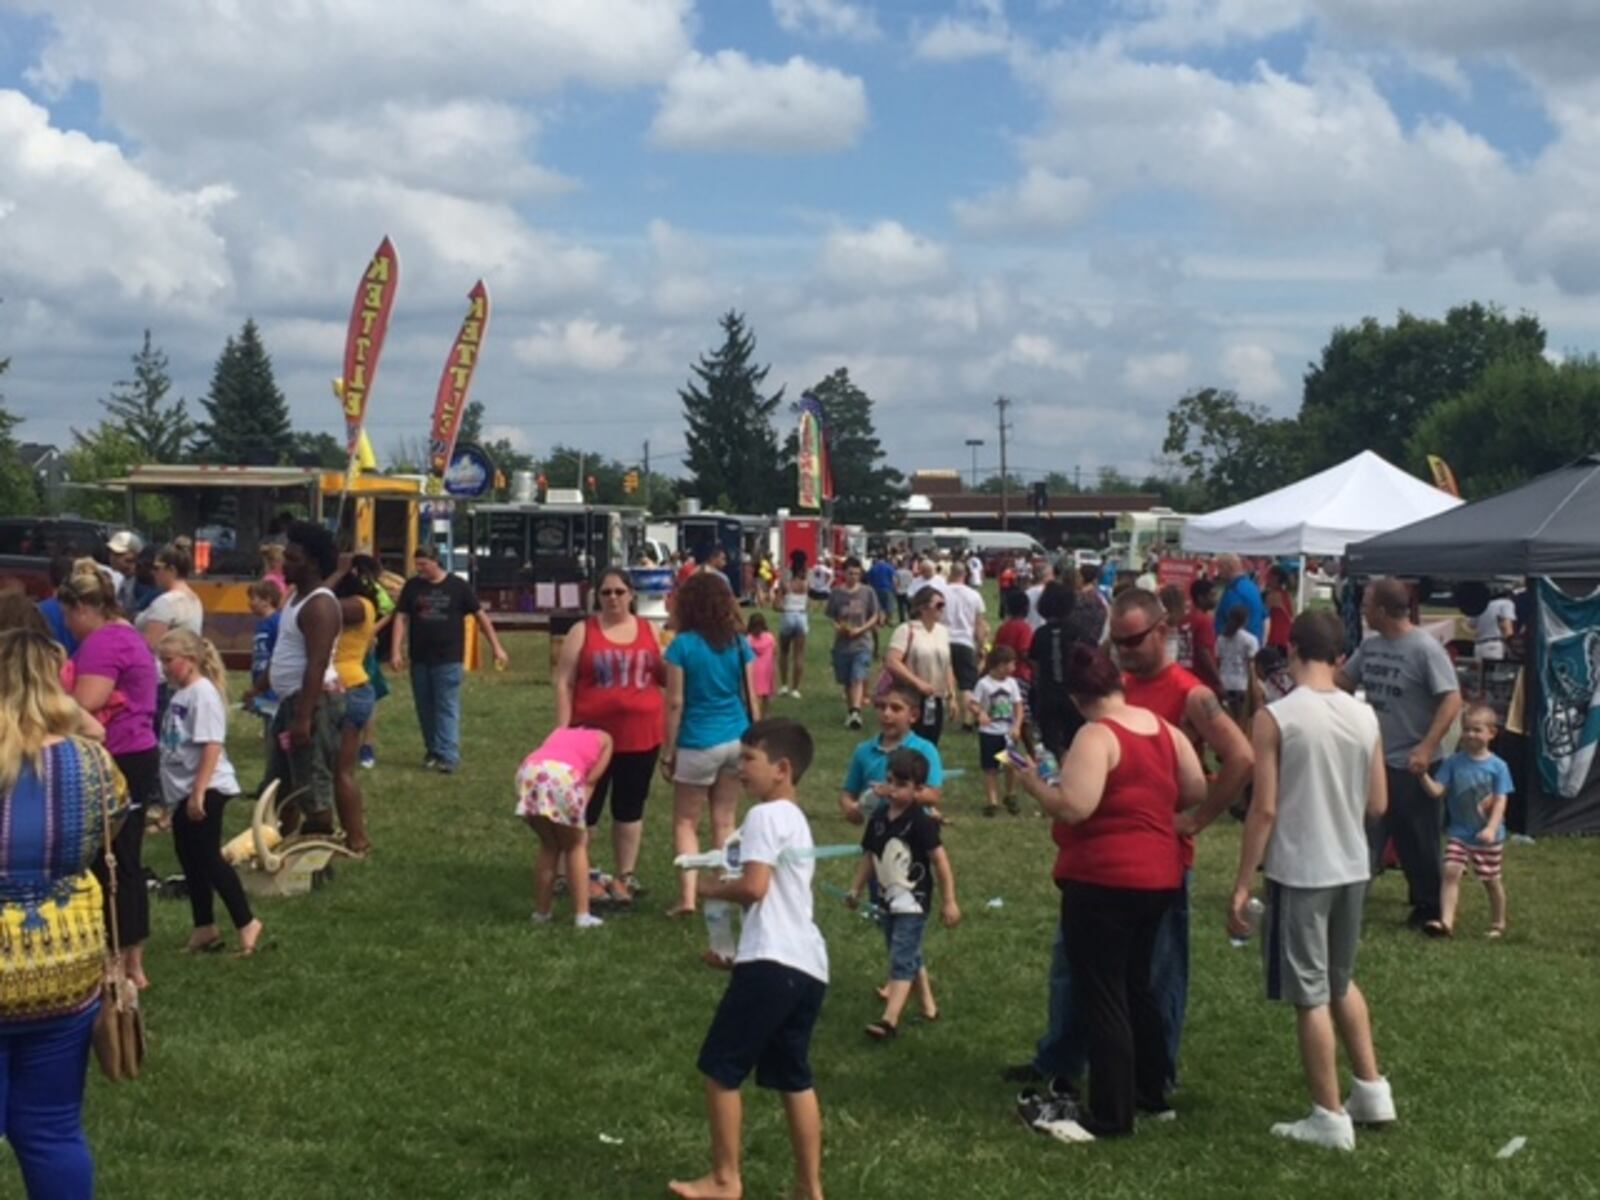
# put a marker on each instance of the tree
(19, 491)
(317, 450)
(1228, 449)
(561, 470)
(1522, 418)
(866, 491)
(1375, 383)
(107, 451)
(471, 430)
(137, 407)
(247, 419)
(1012, 482)
(733, 451)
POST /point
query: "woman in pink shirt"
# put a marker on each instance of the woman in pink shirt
(552, 796)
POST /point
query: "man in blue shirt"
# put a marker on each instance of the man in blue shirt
(880, 578)
(869, 765)
(1239, 589)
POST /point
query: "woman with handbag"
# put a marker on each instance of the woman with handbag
(116, 682)
(57, 794)
(919, 654)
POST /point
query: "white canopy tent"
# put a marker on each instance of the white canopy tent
(1321, 514)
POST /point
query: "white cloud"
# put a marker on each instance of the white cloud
(1040, 202)
(1184, 24)
(1253, 372)
(886, 255)
(1164, 374)
(827, 18)
(1037, 350)
(581, 343)
(77, 215)
(729, 102)
(951, 39)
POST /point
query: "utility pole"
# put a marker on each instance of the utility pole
(973, 444)
(1003, 403)
(647, 488)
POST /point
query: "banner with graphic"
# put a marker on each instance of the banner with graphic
(1443, 477)
(1567, 659)
(363, 341)
(816, 473)
(450, 403)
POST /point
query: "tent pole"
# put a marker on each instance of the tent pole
(1300, 588)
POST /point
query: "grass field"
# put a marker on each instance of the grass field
(410, 1034)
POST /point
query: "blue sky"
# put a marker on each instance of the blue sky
(1092, 208)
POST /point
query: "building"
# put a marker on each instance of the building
(49, 467)
(938, 498)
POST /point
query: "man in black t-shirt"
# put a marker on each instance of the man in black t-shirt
(433, 609)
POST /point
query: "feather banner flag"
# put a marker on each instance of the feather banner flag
(450, 404)
(363, 341)
(815, 471)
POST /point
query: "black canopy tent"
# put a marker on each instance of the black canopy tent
(1549, 528)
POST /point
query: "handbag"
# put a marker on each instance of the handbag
(119, 1039)
(887, 678)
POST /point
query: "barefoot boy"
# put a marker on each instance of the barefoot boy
(780, 972)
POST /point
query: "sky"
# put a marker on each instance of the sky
(1089, 207)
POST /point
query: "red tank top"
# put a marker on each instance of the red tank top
(618, 688)
(1167, 695)
(1129, 841)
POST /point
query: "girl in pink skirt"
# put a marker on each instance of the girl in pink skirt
(765, 647)
(552, 793)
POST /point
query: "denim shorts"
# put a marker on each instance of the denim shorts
(359, 703)
(903, 932)
(851, 665)
(792, 625)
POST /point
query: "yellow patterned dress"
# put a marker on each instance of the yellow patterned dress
(52, 932)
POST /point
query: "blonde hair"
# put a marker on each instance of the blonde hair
(88, 587)
(34, 707)
(1479, 711)
(185, 643)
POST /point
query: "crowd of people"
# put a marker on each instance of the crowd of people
(1119, 711)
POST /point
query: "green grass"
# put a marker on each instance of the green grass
(411, 1035)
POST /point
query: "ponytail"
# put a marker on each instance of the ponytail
(187, 644)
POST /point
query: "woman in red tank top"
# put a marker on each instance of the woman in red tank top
(609, 677)
(1118, 866)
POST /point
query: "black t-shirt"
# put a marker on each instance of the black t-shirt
(918, 834)
(436, 612)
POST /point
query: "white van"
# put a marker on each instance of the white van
(993, 543)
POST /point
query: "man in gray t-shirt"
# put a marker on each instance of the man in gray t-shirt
(853, 609)
(1411, 684)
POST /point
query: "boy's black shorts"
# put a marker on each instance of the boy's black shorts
(764, 1023)
(990, 746)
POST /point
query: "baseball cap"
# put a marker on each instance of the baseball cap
(125, 541)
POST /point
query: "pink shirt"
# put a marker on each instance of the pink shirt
(118, 652)
(765, 648)
(577, 747)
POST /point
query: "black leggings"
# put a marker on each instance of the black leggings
(1110, 934)
(199, 847)
(142, 771)
(627, 780)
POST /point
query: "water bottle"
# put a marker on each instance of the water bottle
(1252, 916)
(719, 926)
(1049, 768)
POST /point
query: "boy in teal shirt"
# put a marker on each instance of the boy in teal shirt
(867, 776)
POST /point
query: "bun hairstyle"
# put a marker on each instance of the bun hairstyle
(1090, 674)
(89, 587)
(185, 643)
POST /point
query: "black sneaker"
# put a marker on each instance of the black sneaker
(1022, 1073)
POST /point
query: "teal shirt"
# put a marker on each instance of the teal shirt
(870, 764)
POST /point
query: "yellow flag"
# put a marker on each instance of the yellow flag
(365, 458)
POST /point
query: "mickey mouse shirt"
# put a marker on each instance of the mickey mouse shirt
(902, 848)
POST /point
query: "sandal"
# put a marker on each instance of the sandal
(1496, 932)
(619, 894)
(215, 946)
(1437, 929)
(882, 1031)
(631, 882)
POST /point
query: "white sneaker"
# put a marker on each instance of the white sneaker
(1066, 1130)
(540, 918)
(1331, 1130)
(587, 921)
(795, 694)
(1371, 1102)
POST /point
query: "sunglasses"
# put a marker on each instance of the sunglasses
(1133, 639)
(613, 591)
(937, 605)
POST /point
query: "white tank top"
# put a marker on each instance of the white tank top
(795, 602)
(288, 668)
(1327, 743)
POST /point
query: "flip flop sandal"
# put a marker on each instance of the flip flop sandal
(882, 1031)
(1437, 929)
(1496, 932)
(214, 946)
(619, 895)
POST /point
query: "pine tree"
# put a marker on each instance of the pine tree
(866, 491)
(136, 407)
(247, 417)
(19, 491)
(733, 450)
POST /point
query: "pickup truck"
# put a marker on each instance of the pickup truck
(27, 544)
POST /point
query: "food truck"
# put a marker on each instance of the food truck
(230, 511)
(744, 537)
(535, 564)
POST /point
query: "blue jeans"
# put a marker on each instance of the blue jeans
(42, 1066)
(1063, 1049)
(437, 692)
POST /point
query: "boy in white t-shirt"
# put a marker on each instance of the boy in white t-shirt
(780, 972)
(996, 705)
(1236, 655)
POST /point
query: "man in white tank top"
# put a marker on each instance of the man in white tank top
(1319, 778)
(307, 717)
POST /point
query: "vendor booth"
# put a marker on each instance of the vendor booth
(1548, 532)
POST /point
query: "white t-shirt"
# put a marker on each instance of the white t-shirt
(779, 928)
(1491, 643)
(1033, 594)
(196, 717)
(821, 579)
(928, 655)
(1327, 742)
(1236, 653)
(937, 582)
(176, 610)
(999, 700)
(962, 608)
(975, 570)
